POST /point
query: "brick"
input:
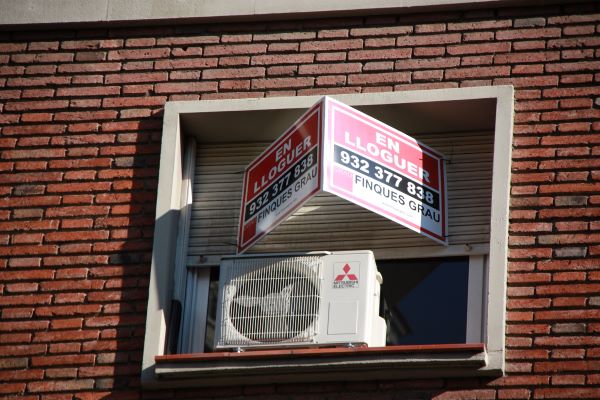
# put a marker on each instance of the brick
(234, 73)
(514, 394)
(186, 87)
(235, 61)
(70, 310)
(60, 386)
(568, 328)
(329, 45)
(579, 30)
(219, 50)
(273, 59)
(563, 366)
(379, 54)
(274, 83)
(332, 69)
(30, 165)
(389, 77)
(146, 101)
(282, 70)
(529, 81)
(571, 226)
(31, 177)
(129, 54)
(91, 44)
(28, 225)
(85, 115)
(526, 57)
(380, 42)
(480, 25)
(568, 341)
(379, 66)
(481, 48)
(531, 227)
(569, 188)
(480, 394)
(187, 40)
(36, 105)
(571, 252)
(428, 75)
(478, 37)
(477, 72)
(529, 22)
(186, 63)
(568, 380)
(27, 238)
(79, 187)
(76, 236)
(477, 60)
(577, 54)
(569, 238)
(280, 36)
(428, 63)
(580, 66)
(425, 40)
(577, 78)
(520, 34)
(9, 388)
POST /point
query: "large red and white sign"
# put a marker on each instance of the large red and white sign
(338, 149)
(281, 179)
(384, 170)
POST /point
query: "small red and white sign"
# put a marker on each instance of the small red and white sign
(281, 179)
(346, 275)
(338, 149)
(384, 170)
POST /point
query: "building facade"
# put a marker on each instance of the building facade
(83, 121)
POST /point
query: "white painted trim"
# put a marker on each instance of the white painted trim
(497, 268)
(322, 369)
(163, 250)
(169, 192)
(189, 162)
(475, 299)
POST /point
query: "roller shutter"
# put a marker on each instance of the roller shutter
(327, 222)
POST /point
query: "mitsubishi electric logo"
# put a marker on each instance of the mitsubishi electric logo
(346, 275)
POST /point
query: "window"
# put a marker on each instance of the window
(426, 301)
(472, 127)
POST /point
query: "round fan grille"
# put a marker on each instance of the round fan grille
(275, 303)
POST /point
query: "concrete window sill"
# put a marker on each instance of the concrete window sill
(312, 365)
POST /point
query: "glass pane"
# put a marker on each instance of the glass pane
(425, 300)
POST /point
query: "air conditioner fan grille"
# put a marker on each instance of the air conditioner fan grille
(271, 300)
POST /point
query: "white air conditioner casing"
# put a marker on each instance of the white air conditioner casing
(315, 299)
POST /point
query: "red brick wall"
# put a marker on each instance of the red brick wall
(80, 120)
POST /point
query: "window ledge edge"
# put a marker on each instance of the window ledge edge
(319, 365)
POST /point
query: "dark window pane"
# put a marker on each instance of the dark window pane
(425, 301)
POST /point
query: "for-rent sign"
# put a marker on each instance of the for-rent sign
(384, 170)
(338, 149)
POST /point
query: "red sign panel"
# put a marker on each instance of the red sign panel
(281, 179)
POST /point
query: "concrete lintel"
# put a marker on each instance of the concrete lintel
(21, 14)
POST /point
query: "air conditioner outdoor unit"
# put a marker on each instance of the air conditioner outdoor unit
(315, 299)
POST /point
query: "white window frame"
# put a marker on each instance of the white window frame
(492, 259)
